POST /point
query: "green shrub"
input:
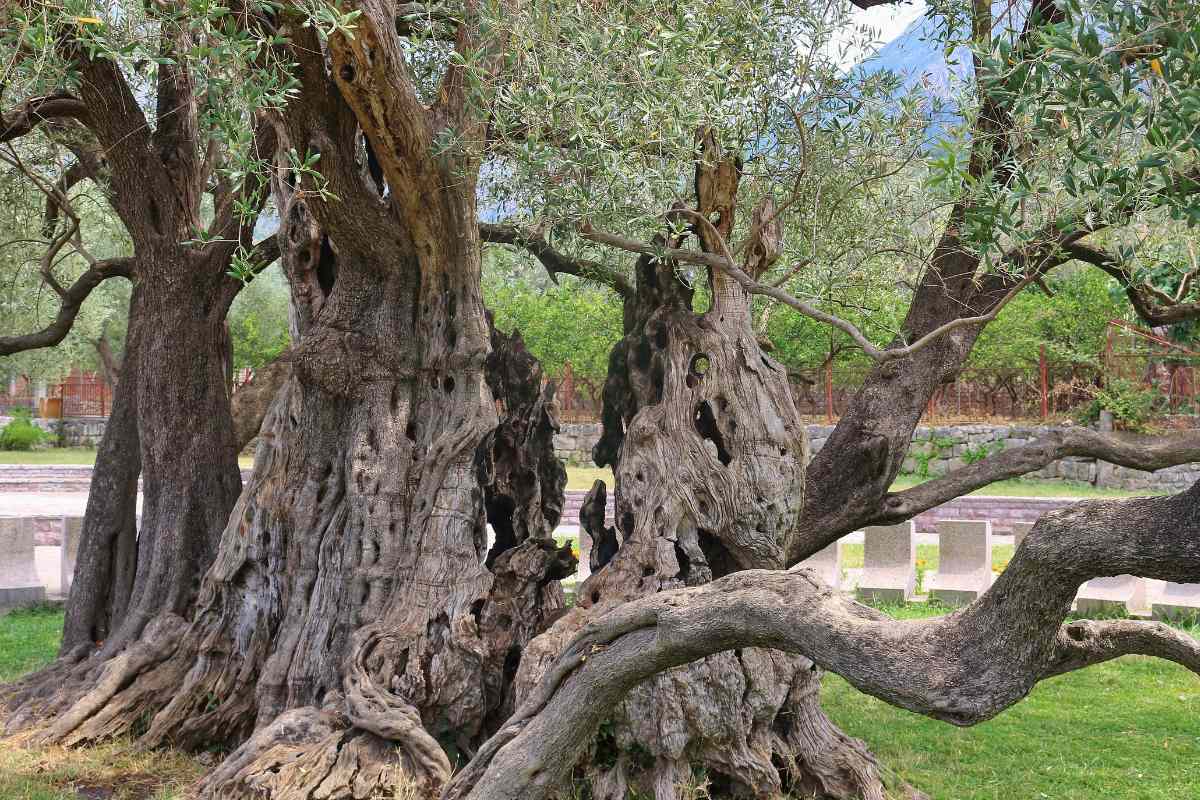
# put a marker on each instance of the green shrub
(1131, 404)
(21, 433)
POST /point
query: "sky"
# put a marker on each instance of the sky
(888, 22)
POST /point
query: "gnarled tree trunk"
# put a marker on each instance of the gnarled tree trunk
(171, 423)
(357, 622)
(107, 556)
(709, 455)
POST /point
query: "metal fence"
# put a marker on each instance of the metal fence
(80, 394)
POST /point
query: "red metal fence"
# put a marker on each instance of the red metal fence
(80, 394)
(1143, 357)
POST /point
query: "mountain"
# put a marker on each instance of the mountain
(916, 55)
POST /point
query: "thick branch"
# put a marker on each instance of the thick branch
(1147, 453)
(1150, 305)
(28, 115)
(251, 401)
(963, 668)
(72, 301)
(555, 262)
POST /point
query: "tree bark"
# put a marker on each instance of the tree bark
(107, 559)
(708, 453)
(170, 422)
(357, 622)
(962, 669)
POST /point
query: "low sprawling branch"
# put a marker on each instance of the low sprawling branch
(32, 112)
(72, 301)
(555, 262)
(962, 668)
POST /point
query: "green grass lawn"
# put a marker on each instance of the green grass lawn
(1124, 730)
(1019, 487)
(71, 455)
(55, 455)
(28, 639)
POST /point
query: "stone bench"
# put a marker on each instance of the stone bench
(1115, 595)
(72, 528)
(1019, 531)
(964, 562)
(19, 581)
(827, 563)
(1177, 601)
(889, 564)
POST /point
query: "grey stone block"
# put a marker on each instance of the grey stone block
(827, 563)
(19, 581)
(72, 528)
(889, 563)
(965, 561)
(1178, 601)
(1123, 593)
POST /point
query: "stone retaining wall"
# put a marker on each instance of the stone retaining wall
(937, 450)
(74, 431)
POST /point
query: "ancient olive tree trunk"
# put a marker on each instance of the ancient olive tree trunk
(171, 423)
(709, 455)
(106, 559)
(358, 622)
(962, 668)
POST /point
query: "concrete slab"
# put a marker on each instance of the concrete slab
(1115, 595)
(1177, 601)
(889, 564)
(827, 564)
(72, 527)
(965, 562)
(20, 584)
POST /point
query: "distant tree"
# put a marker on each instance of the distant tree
(136, 114)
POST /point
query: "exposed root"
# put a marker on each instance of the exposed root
(383, 714)
(94, 717)
(314, 753)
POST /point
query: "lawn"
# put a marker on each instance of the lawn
(71, 455)
(1018, 487)
(1125, 730)
(55, 455)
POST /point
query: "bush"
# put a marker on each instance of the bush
(1132, 404)
(21, 433)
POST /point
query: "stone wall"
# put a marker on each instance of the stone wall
(74, 431)
(574, 442)
(936, 450)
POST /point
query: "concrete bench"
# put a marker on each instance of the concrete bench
(965, 561)
(72, 527)
(889, 564)
(1115, 595)
(827, 563)
(19, 581)
(1178, 601)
